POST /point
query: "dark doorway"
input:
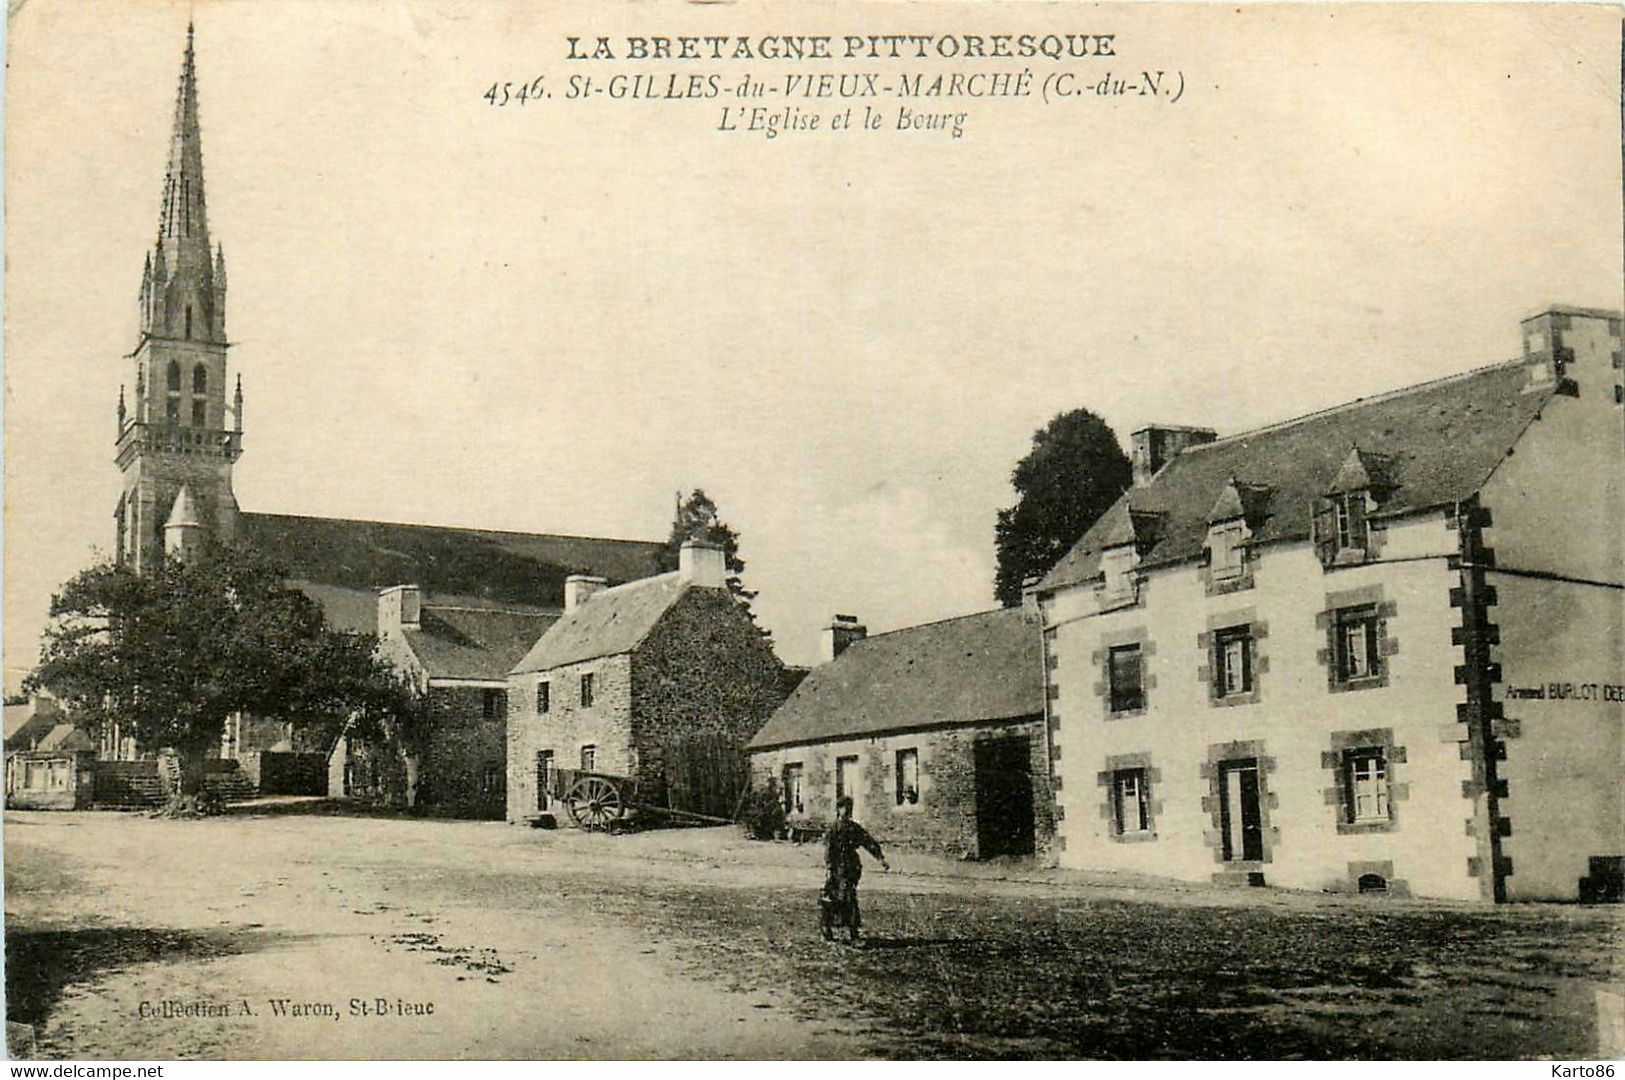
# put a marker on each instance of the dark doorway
(1004, 797)
(1239, 814)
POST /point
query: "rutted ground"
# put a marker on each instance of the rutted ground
(340, 933)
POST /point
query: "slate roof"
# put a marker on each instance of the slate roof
(475, 643)
(29, 721)
(1437, 443)
(982, 667)
(65, 737)
(612, 622)
(481, 564)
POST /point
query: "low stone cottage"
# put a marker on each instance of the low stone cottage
(55, 773)
(935, 732)
(661, 681)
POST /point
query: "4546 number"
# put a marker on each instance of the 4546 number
(515, 93)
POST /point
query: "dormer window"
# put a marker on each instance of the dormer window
(1228, 556)
(1341, 534)
(1118, 566)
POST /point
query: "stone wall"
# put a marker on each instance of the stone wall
(464, 765)
(703, 683)
(567, 726)
(944, 818)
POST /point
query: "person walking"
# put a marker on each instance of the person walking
(839, 902)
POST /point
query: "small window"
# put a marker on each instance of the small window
(792, 789)
(1127, 679)
(491, 704)
(908, 777)
(1365, 783)
(1340, 526)
(586, 691)
(200, 413)
(1357, 644)
(589, 758)
(1233, 661)
(491, 783)
(172, 397)
(1131, 806)
(200, 380)
(544, 696)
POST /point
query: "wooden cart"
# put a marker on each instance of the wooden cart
(595, 800)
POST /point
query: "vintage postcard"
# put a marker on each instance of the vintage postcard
(824, 531)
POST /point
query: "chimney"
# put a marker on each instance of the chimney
(841, 633)
(1564, 346)
(1152, 447)
(703, 564)
(400, 607)
(579, 588)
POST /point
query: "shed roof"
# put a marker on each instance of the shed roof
(1436, 443)
(987, 666)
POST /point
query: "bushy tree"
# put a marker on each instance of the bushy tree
(1072, 475)
(697, 518)
(170, 656)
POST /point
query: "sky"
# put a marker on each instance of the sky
(552, 317)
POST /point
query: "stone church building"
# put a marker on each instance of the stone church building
(462, 605)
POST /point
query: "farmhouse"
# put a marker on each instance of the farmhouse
(660, 681)
(1367, 649)
(935, 732)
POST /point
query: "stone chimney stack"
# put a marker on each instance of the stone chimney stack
(400, 607)
(579, 588)
(1565, 346)
(702, 564)
(841, 634)
(1152, 447)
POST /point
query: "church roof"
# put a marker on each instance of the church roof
(339, 561)
(611, 622)
(982, 667)
(1426, 446)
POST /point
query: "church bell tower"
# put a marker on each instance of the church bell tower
(179, 433)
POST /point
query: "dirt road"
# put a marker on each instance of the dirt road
(316, 936)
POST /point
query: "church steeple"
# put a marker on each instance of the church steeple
(182, 294)
(178, 439)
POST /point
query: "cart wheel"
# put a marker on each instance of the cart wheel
(594, 802)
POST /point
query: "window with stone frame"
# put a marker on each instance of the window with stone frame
(589, 757)
(1365, 786)
(491, 704)
(1131, 802)
(586, 690)
(491, 782)
(1125, 674)
(1233, 661)
(790, 783)
(1355, 644)
(908, 777)
(544, 696)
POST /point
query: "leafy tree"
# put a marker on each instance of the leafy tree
(170, 656)
(1072, 475)
(697, 518)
